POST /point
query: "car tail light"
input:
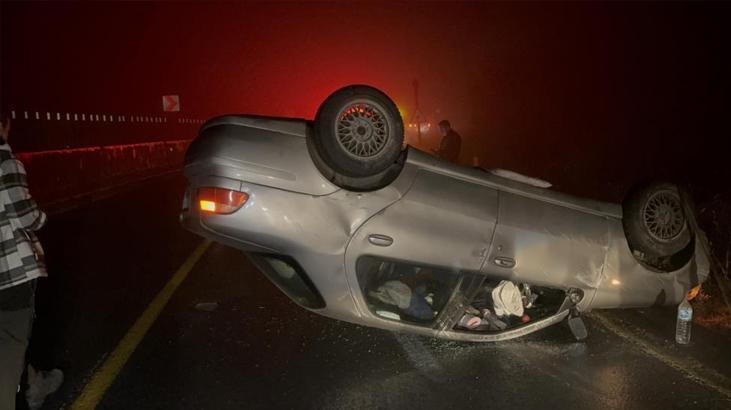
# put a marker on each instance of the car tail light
(220, 200)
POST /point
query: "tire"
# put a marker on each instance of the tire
(358, 132)
(358, 184)
(656, 226)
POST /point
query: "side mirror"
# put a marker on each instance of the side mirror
(577, 326)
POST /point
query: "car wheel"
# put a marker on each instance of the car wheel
(656, 225)
(358, 132)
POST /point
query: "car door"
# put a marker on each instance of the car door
(437, 234)
(547, 244)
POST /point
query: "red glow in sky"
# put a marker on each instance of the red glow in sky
(552, 81)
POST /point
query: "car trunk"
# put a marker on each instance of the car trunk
(259, 150)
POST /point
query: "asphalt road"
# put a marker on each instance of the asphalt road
(257, 349)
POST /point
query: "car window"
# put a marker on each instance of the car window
(499, 305)
(404, 292)
(286, 273)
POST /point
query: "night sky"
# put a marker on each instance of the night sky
(583, 94)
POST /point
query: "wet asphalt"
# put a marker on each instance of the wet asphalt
(256, 349)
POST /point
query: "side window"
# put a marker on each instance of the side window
(404, 292)
(500, 305)
(288, 276)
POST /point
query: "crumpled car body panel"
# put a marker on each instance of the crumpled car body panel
(436, 214)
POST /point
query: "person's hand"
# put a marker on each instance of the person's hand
(38, 250)
(5, 129)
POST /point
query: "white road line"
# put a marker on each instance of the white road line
(420, 356)
(690, 368)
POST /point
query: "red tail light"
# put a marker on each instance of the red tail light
(220, 200)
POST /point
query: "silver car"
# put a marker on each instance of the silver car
(352, 225)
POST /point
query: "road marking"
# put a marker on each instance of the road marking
(100, 381)
(690, 368)
(420, 357)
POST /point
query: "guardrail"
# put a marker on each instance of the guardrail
(57, 175)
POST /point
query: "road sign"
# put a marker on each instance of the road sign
(171, 103)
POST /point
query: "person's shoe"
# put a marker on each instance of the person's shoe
(40, 385)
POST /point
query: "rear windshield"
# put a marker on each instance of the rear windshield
(287, 274)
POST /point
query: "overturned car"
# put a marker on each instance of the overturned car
(351, 225)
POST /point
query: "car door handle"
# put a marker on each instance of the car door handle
(380, 240)
(505, 262)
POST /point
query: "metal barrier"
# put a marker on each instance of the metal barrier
(57, 175)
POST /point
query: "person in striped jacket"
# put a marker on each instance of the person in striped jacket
(21, 264)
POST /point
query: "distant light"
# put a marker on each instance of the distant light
(615, 282)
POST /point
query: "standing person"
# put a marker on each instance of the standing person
(451, 143)
(21, 264)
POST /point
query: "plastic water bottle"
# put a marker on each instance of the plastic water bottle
(682, 326)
